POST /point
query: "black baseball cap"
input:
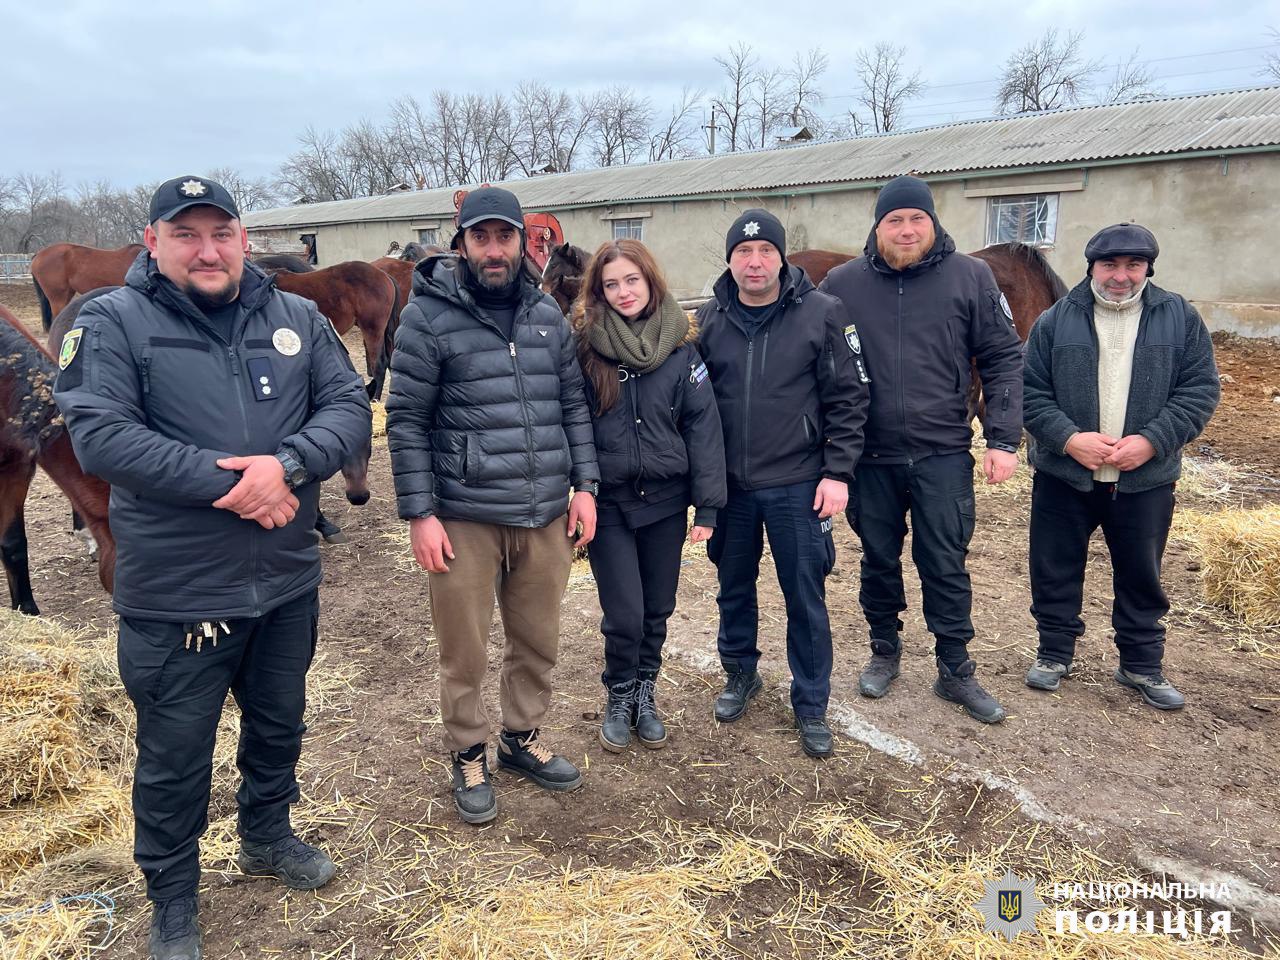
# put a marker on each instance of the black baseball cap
(490, 203)
(174, 196)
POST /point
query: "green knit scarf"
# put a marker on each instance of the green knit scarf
(642, 345)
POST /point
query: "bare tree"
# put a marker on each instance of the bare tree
(40, 214)
(678, 134)
(1271, 59)
(548, 126)
(249, 193)
(1132, 80)
(802, 89)
(621, 126)
(739, 66)
(1045, 74)
(320, 169)
(886, 88)
(768, 105)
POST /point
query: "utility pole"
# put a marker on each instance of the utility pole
(711, 128)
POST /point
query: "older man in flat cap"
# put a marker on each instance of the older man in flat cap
(1108, 450)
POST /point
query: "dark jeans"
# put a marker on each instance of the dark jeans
(938, 493)
(1135, 526)
(637, 573)
(178, 694)
(803, 555)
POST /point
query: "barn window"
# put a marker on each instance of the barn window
(1029, 219)
(430, 237)
(628, 229)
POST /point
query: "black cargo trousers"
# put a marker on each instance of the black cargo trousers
(179, 692)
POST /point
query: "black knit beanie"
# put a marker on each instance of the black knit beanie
(756, 224)
(904, 193)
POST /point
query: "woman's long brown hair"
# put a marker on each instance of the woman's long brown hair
(590, 307)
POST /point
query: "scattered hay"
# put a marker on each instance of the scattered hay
(40, 748)
(51, 928)
(34, 833)
(1239, 553)
(379, 422)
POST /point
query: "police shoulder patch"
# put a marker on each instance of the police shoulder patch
(70, 346)
(697, 373)
(852, 339)
(1004, 305)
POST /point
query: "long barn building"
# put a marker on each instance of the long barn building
(1202, 171)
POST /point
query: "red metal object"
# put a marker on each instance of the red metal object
(542, 231)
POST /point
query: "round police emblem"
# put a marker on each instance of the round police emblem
(193, 188)
(286, 341)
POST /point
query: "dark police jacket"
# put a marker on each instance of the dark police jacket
(154, 397)
(480, 427)
(791, 402)
(1172, 394)
(660, 447)
(919, 328)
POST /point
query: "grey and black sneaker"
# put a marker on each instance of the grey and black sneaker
(881, 670)
(962, 687)
(175, 930)
(650, 729)
(1155, 689)
(739, 687)
(815, 736)
(1047, 674)
(291, 861)
(473, 794)
(525, 755)
(615, 731)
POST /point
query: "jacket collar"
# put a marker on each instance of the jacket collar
(795, 284)
(1082, 296)
(256, 288)
(439, 277)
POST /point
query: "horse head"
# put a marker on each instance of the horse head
(355, 474)
(562, 276)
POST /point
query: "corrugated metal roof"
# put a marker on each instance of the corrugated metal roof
(1217, 121)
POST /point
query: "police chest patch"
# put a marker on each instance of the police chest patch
(287, 342)
(862, 371)
(1004, 305)
(70, 344)
(697, 373)
(852, 339)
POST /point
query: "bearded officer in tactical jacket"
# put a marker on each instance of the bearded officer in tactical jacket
(214, 404)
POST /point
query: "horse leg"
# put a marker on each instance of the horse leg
(84, 536)
(17, 569)
(328, 530)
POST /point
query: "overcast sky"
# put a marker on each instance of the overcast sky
(142, 91)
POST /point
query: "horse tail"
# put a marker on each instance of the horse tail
(46, 311)
(388, 342)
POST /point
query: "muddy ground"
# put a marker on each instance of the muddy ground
(1193, 792)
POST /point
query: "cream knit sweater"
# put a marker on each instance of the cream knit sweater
(1117, 326)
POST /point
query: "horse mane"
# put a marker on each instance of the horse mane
(1036, 261)
(35, 418)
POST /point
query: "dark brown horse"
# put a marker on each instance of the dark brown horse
(818, 263)
(562, 276)
(283, 263)
(401, 272)
(354, 294)
(355, 471)
(32, 434)
(62, 270)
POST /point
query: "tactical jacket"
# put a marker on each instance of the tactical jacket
(918, 328)
(480, 427)
(792, 404)
(153, 396)
(1172, 395)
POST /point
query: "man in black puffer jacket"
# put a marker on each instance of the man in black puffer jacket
(214, 405)
(488, 427)
(792, 403)
(921, 311)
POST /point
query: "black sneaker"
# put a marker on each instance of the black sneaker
(615, 731)
(175, 931)
(527, 757)
(815, 736)
(472, 789)
(1047, 674)
(294, 863)
(739, 687)
(1155, 689)
(881, 670)
(960, 686)
(650, 729)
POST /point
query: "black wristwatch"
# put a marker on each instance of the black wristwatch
(295, 474)
(589, 486)
(1002, 447)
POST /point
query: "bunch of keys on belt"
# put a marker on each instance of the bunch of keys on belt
(205, 630)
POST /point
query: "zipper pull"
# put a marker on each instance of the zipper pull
(512, 345)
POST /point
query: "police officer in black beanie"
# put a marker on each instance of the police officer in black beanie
(792, 436)
(919, 311)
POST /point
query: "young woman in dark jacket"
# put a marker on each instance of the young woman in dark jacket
(660, 450)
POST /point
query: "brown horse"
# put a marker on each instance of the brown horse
(61, 270)
(818, 263)
(283, 263)
(354, 294)
(562, 276)
(355, 471)
(32, 434)
(401, 272)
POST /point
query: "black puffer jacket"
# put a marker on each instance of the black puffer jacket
(155, 396)
(791, 402)
(481, 427)
(919, 328)
(660, 447)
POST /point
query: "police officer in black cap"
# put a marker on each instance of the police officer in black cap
(792, 405)
(1108, 450)
(214, 405)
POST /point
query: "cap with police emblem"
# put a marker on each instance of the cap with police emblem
(174, 196)
(756, 224)
(1123, 240)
